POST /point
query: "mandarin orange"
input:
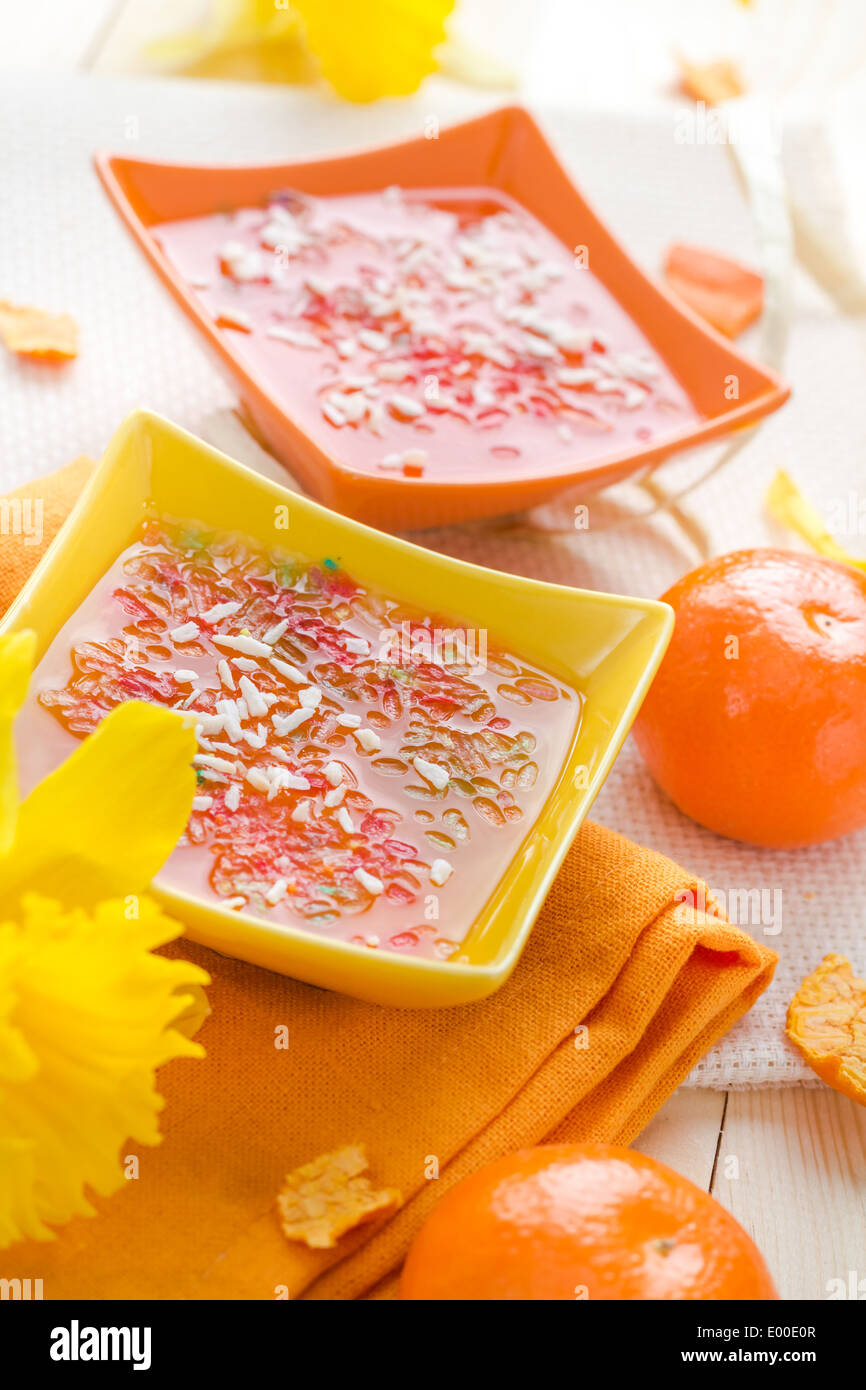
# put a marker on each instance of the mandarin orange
(577, 1221)
(755, 725)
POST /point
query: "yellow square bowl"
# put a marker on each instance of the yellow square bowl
(604, 646)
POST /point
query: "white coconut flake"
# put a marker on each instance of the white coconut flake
(276, 891)
(352, 406)
(202, 803)
(301, 813)
(186, 633)
(393, 371)
(349, 721)
(376, 342)
(257, 779)
(369, 741)
(248, 645)
(310, 698)
(335, 796)
(637, 368)
(432, 772)
(220, 611)
(577, 376)
(286, 669)
(242, 264)
(233, 728)
(286, 723)
(333, 773)
(440, 871)
(369, 881)
(295, 337)
(318, 285)
(256, 703)
(218, 764)
(185, 677)
(235, 318)
(211, 723)
(274, 633)
(415, 458)
(346, 821)
(232, 799)
(294, 781)
(358, 646)
(225, 674)
(278, 234)
(538, 347)
(407, 407)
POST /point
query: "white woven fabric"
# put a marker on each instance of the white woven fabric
(61, 246)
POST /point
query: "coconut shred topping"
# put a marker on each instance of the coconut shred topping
(362, 770)
(440, 330)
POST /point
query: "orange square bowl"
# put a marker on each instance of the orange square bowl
(605, 646)
(504, 150)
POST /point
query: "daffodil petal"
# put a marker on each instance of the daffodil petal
(104, 822)
(95, 1010)
(465, 62)
(195, 1009)
(786, 504)
(18, 1217)
(376, 49)
(16, 664)
(232, 24)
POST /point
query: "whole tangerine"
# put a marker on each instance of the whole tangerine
(582, 1221)
(755, 725)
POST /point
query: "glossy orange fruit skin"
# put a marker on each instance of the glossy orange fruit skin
(755, 725)
(577, 1221)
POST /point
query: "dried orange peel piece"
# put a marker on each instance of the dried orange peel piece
(724, 292)
(827, 1022)
(37, 333)
(324, 1199)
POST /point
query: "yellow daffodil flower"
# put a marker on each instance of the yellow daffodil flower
(786, 504)
(365, 49)
(87, 1013)
(374, 48)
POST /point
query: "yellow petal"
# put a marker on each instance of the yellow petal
(107, 819)
(232, 25)
(376, 49)
(787, 505)
(16, 663)
(465, 62)
(194, 1010)
(92, 1010)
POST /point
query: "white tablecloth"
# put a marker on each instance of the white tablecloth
(62, 246)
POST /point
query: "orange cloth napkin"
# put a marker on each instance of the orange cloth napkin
(55, 494)
(619, 992)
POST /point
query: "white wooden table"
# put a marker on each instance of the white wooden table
(789, 1163)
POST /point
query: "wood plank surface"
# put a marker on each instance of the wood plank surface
(792, 1169)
